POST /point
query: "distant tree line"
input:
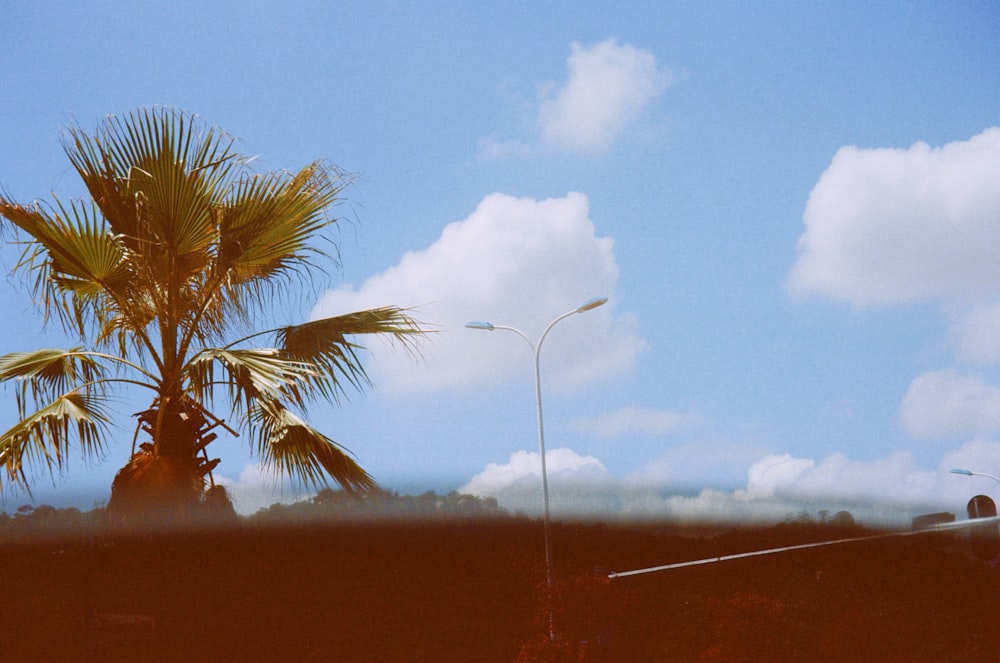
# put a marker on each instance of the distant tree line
(29, 521)
(839, 519)
(330, 504)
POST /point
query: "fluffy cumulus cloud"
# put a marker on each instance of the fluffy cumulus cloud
(513, 261)
(578, 485)
(770, 473)
(884, 491)
(608, 86)
(948, 405)
(892, 226)
(254, 490)
(885, 226)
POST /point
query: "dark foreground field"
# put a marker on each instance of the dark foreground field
(474, 591)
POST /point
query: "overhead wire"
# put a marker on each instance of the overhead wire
(977, 522)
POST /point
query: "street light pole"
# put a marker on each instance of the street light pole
(970, 473)
(536, 349)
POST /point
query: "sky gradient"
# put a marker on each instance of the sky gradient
(793, 208)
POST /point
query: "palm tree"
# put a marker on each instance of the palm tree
(178, 250)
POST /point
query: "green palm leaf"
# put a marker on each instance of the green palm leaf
(323, 344)
(156, 174)
(47, 433)
(250, 375)
(80, 269)
(288, 445)
(44, 374)
(268, 225)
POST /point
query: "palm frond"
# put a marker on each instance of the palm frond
(46, 433)
(44, 374)
(80, 269)
(324, 345)
(267, 237)
(390, 320)
(156, 174)
(250, 375)
(159, 176)
(287, 444)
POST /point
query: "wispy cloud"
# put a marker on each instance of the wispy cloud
(634, 421)
(608, 86)
(974, 333)
(946, 405)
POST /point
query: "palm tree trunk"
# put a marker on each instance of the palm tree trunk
(164, 483)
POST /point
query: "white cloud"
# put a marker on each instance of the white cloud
(895, 479)
(608, 86)
(513, 261)
(577, 484)
(254, 490)
(947, 405)
(890, 226)
(704, 460)
(975, 334)
(883, 491)
(886, 226)
(771, 473)
(979, 455)
(708, 506)
(628, 421)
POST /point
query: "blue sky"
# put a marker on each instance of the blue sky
(793, 207)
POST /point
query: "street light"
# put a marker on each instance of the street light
(970, 473)
(536, 348)
(984, 541)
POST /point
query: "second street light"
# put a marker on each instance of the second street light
(536, 349)
(970, 473)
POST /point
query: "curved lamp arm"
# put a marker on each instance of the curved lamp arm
(970, 473)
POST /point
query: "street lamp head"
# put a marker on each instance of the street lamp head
(591, 304)
(480, 325)
(964, 472)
